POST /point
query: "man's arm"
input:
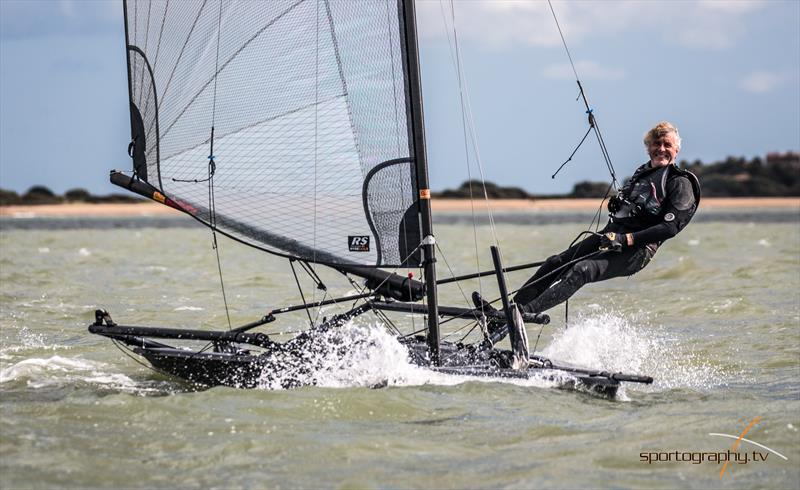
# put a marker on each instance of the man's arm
(679, 207)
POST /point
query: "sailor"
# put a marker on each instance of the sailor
(655, 204)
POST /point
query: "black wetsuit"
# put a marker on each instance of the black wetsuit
(659, 203)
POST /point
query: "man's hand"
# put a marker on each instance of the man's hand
(613, 241)
(614, 203)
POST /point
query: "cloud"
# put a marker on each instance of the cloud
(497, 23)
(761, 82)
(29, 19)
(709, 24)
(587, 70)
(735, 6)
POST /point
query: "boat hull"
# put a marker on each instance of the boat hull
(244, 370)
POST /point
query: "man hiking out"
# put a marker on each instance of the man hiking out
(656, 203)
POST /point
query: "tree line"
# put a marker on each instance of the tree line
(776, 176)
(40, 194)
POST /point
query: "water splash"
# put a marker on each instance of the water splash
(59, 371)
(613, 342)
(356, 355)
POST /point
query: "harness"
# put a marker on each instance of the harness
(642, 199)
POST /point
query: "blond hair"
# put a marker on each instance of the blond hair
(660, 130)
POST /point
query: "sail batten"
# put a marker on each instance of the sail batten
(310, 104)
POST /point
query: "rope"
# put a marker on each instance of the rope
(302, 295)
(468, 118)
(316, 148)
(457, 62)
(212, 167)
(589, 111)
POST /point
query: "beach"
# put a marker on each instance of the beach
(439, 205)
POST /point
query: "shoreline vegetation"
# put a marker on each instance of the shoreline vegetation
(736, 182)
(146, 208)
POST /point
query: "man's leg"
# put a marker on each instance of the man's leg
(604, 266)
(540, 281)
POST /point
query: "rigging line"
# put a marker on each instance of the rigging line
(412, 333)
(469, 332)
(381, 315)
(302, 296)
(572, 154)
(394, 271)
(127, 352)
(212, 167)
(474, 138)
(536, 344)
(467, 108)
(593, 124)
(387, 322)
(316, 148)
(412, 172)
(559, 269)
(589, 110)
(589, 230)
(319, 310)
(466, 148)
(446, 263)
(313, 275)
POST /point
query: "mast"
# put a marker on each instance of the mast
(417, 131)
(128, 65)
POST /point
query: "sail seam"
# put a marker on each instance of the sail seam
(273, 118)
(155, 60)
(335, 42)
(180, 55)
(146, 39)
(227, 62)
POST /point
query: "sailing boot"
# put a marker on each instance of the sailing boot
(493, 329)
(480, 303)
(540, 318)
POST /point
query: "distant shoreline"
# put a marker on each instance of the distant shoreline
(146, 209)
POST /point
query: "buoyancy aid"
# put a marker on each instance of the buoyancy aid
(642, 198)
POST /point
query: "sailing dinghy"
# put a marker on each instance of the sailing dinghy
(296, 127)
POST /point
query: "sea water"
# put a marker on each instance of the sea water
(715, 319)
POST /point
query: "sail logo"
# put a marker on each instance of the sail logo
(358, 243)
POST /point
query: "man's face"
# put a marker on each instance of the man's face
(663, 150)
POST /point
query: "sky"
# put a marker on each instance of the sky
(727, 73)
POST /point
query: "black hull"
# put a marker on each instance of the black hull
(239, 359)
(244, 370)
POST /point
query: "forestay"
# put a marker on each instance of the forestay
(312, 153)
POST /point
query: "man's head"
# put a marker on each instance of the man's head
(663, 144)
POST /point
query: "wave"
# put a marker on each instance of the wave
(39, 373)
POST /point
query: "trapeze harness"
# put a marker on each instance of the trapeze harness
(641, 205)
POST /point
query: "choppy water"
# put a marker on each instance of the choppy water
(715, 318)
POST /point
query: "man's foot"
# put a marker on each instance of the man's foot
(529, 316)
(540, 318)
(480, 303)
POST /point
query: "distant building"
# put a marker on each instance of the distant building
(789, 158)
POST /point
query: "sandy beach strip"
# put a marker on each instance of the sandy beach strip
(151, 209)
